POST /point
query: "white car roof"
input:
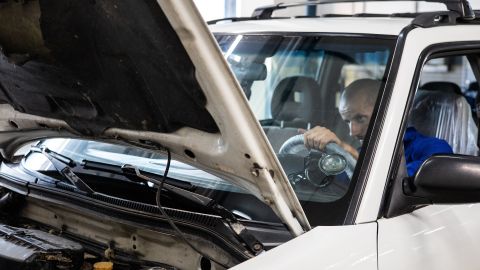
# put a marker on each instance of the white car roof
(354, 25)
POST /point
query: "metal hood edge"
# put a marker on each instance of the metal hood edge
(201, 115)
(243, 147)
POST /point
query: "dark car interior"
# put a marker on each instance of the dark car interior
(447, 109)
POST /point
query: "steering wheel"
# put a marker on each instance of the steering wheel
(332, 160)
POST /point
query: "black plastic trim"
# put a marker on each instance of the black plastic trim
(373, 135)
(231, 19)
(18, 186)
(461, 7)
(146, 215)
(211, 229)
(328, 15)
(421, 19)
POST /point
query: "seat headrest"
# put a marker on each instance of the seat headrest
(447, 116)
(294, 98)
(442, 87)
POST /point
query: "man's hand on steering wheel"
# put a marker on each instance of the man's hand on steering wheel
(318, 137)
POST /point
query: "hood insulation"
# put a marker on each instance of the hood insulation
(99, 64)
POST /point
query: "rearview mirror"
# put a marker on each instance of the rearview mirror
(249, 71)
(446, 179)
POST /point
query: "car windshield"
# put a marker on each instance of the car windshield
(294, 84)
(92, 156)
(144, 160)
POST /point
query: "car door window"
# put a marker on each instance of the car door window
(442, 119)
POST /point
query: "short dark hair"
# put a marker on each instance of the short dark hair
(367, 88)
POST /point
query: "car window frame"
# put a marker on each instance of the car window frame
(396, 172)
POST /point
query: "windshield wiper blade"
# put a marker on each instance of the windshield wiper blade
(130, 174)
(52, 154)
(186, 194)
(241, 231)
(63, 165)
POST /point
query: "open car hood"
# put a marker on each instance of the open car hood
(144, 72)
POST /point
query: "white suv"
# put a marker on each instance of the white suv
(293, 71)
(133, 138)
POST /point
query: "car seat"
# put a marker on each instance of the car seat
(440, 111)
(293, 101)
(448, 87)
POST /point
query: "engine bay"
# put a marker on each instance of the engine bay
(35, 249)
(47, 224)
(44, 236)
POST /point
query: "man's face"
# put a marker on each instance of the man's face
(356, 112)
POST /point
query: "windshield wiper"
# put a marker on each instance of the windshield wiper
(130, 174)
(241, 231)
(63, 165)
(186, 194)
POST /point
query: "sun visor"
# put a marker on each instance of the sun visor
(99, 64)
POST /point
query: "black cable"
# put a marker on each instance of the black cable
(170, 221)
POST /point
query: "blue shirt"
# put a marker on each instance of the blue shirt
(419, 148)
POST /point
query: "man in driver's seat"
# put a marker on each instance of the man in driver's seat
(356, 107)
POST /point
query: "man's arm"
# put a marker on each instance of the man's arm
(423, 149)
(318, 137)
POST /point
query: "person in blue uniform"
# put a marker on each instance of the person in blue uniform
(356, 107)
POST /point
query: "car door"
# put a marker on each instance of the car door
(432, 236)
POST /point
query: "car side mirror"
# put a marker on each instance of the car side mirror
(446, 179)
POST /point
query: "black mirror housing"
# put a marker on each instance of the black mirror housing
(446, 179)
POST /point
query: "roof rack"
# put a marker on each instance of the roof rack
(230, 19)
(399, 15)
(462, 7)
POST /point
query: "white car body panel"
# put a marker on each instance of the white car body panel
(434, 237)
(417, 40)
(329, 247)
(381, 26)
